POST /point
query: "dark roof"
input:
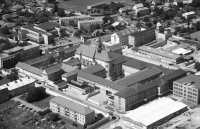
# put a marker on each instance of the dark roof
(29, 68)
(191, 42)
(127, 31)
(101, 81)
(173, 75)
(137, 88)
(53, 69)
(93, 69)
(73, 62)
(74, 72)
(136, 64)
(47, 25)
(114, 47)
(72, 105)
(67, 68)
(40, 58)
(192, 80)
(138, 77)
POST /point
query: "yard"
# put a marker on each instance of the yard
(68, 124)
(6, 104)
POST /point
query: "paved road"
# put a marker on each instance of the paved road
(27, 104)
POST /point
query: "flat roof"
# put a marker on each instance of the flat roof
(18, 83)
(181, 51)
(47, 25)
(72, 105)
(155, 111)
(190, 80)
(159, 52)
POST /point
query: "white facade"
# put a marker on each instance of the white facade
(87, 23)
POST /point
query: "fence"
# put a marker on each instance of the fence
(94, 126)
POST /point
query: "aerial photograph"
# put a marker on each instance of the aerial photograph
(99, 64)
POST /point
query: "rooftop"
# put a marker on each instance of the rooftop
(190, 81)
(47, 25)
(93, 69)
(159, 52)
(156, 110)
(53, 69)
(73, 62)
(127, 31)
(138, 76)
(71, 73)
(18, 83)
(72, 105)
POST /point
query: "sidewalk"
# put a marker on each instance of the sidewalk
(28, 104)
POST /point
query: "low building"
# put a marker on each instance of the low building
(117, 48)
(95, 5)
(72, 110)
(188, 15)
(73, 62)
(161, 55)
(154, 114)
(41, 33)
(96, 70)
(19, 86)
(70, 75)
(142, 37)
(188, 89)
(66, 21)
(142, 11)
(87, 24)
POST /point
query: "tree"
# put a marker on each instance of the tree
(148, 24)
(138, 15)
(55, 8)
(197, 66)
(146, 19)
(13, 75)
(196, 39)
(35, 94)
(51, 60)
(61, 12)
(5, 30)
(54, 117)
(62, 122)
(155, 21)
(100, 116)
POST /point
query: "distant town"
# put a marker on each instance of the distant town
(133, 64)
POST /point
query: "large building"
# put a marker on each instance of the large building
(19, 86)
(96, 54)
(188, 88)
(142, 37)
(87, 24)
(9, 58)
(161, 55)
(65, 21)
(72, 110)
(154, 114)
(41, 33)
(140, 10)
(95, 5)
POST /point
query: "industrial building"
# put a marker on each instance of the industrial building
(154, 114)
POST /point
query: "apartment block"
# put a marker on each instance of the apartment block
(188, 88)
(65, 21)
(72, 110)
(142, 37)
(88, 23)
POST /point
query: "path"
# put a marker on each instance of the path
(28, 104)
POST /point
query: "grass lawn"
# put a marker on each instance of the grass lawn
(44, 103)
(6, 104)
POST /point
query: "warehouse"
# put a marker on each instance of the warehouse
(154, 114)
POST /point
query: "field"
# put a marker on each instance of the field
(81, 5)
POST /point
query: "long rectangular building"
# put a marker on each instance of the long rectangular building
(161, 55)
(72, 110)
(154, 114)
(64, 21)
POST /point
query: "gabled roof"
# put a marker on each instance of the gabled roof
(138, 77)
(71, 73)
(137, 88)
(72, 62)
(93, 69)
(127, 31)
(29, 68)
(104, 56)
(136, 64)
(101, 81)
(67, 68)
(53, 69)
(173, 74)
(72, 105)
(114, 47)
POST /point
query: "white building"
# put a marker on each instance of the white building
(19, 86)
(188, 14)
(63, 21)
(154, 114)
(87, 23)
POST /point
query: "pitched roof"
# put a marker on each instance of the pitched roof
(114, 47)
(53, 69)
(138, 77)
(173, 74)
(93, 69)
(40, 59)
(136, 64)
(73, 62)
(137, 88)
(104, 56)
(71, 73)
(72, 105)
(47, 25)
(67, 68)
(192, 80)
(29, 68)
(127, 31)
(101, 81)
